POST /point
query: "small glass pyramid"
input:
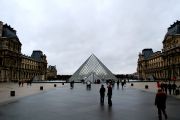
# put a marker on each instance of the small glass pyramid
(91, 70)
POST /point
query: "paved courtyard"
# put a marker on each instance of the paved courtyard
(79, 103)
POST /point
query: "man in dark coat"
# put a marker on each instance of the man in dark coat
(160, 102)
(169, 86)
(174, 86)
(109, 94)
(165, 87)
(102, 94)
(72, 84)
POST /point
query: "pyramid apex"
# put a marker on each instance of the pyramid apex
(93, 54)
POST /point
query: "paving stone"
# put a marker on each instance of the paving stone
(81, 104)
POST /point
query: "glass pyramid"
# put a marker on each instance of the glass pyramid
(91, 70)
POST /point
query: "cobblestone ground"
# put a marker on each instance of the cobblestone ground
(82, 104)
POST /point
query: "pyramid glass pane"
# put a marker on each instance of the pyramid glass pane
(92, 78)
(92, 67)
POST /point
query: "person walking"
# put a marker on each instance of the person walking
(160, 102)
(122, 84)
(118, 83)
(102, 94)
(109, 94)
(165, 87)
(174, 86)
(169, 86)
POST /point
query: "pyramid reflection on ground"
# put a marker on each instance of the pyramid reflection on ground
(91, 70)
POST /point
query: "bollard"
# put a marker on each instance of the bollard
(62, 83)
(132, 84)
(54, 85)
(146, 86)
(41, 87)
(12, 93)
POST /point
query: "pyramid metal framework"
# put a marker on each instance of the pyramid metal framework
(92, 69)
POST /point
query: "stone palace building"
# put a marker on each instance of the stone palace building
(51, 72)
(165, 64)
(14, 66)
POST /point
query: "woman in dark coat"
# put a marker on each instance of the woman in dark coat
(109, 94)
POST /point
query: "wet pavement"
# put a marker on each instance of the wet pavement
(82, 104)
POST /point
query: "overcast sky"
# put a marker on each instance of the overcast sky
(69, 31)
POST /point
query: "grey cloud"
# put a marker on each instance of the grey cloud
(69, 31)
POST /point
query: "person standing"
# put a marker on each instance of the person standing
(30, 82)
(102, 94)
(160, 102)
(109, 94)
(22, 82)
(19, 83)
(162, 86)
(72, 84)
(88, 85)
(158, 84)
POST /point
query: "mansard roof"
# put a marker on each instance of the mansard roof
(174, 29)
(37, 55)
(52, 68)
(148, 52)
(9, 32)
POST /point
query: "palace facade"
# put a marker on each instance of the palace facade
(165, 64)
(14, 66)
(51, 72)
